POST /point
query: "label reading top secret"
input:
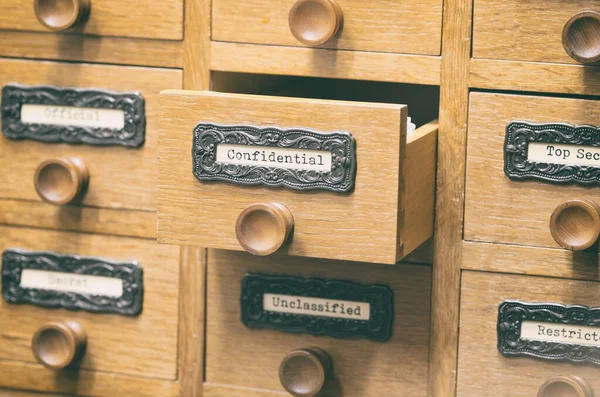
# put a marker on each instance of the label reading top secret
(295, 158)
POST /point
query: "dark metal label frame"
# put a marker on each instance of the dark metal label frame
(341, 145)
(511, 315)
(520, 133)
(380, 298)
(14, 96)
(128, 304)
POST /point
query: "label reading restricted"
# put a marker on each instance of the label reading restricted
(73, 116)
(316, 306)
(553, 153)
(295, 159)
(67, 282)
(560, 333)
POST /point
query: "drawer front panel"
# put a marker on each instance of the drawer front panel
(503, 210)
(119, 177)
(135, 18)
(479, 357)
(326, 224)
(241, 356)
(524, 30)
(379, 26)
(143, 345)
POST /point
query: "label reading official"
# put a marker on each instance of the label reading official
(68, 282)
(73, 116)
(553, 153)
(560, 333)
(295, 159)
(316, 307)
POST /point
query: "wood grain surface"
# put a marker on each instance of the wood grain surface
(240, 356)
(133, 18)
(120, 178)
(341, 64)
(535, 77)
(379, 130)
(216, 390)
(478, 353)
(145, 345)
(523, 30)
(377, 25)
(502, 210)
(69, 47)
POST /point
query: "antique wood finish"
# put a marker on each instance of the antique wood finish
(454, 99)
(107, 18)
(575, 224)
(581, 37)
(492, 199)
(304, 372)
(60, 181)
(361, 368)
(61, 15)
(184, 220)
(145, 345)
(315, 22)
(521, 30)
(119, 177)
(216, 390)
(534, 76)
(560, 385)
(478, 353)
(298, 61)
(262, 229)
(58, 345)
(378, 25)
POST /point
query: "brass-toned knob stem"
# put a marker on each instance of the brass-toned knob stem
(58, 345)
(314, 22)
(60, 15)
(581, 37)
(262, 229)
(61, 181)
(304, 372)
(565, 386)
(575, 224)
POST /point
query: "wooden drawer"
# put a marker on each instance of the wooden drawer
(482, 293)
(524, 30)
(250, 357)
(411, 26)
(499, 209)
(143, 345)
(119, 177)
(394, 183)
(136, 18)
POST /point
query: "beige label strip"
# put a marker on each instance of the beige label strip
(560, 333)
(73, 116)
(563, 154)
(68, 282)
(295, 159)
(316, 307)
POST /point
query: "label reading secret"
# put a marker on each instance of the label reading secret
(550, 331)
(335, 308)
(316, 306)
(69, 115)
(53, 280)
(554, 152)
(83, 284)
(295, 158)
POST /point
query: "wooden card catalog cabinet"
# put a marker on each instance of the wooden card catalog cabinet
(315, 178)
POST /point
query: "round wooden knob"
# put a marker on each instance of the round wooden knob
(304, 372)
(59, 344)
(314, 22)
(262, 229)
(581, 37)
(61, 181)
(59, 15)
(575, 224)
(565, 386)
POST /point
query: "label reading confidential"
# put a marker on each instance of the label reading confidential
(296, 159)
(316, 307)
(73, 116)
(560, 333)
(553, 153)
(68, 282)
